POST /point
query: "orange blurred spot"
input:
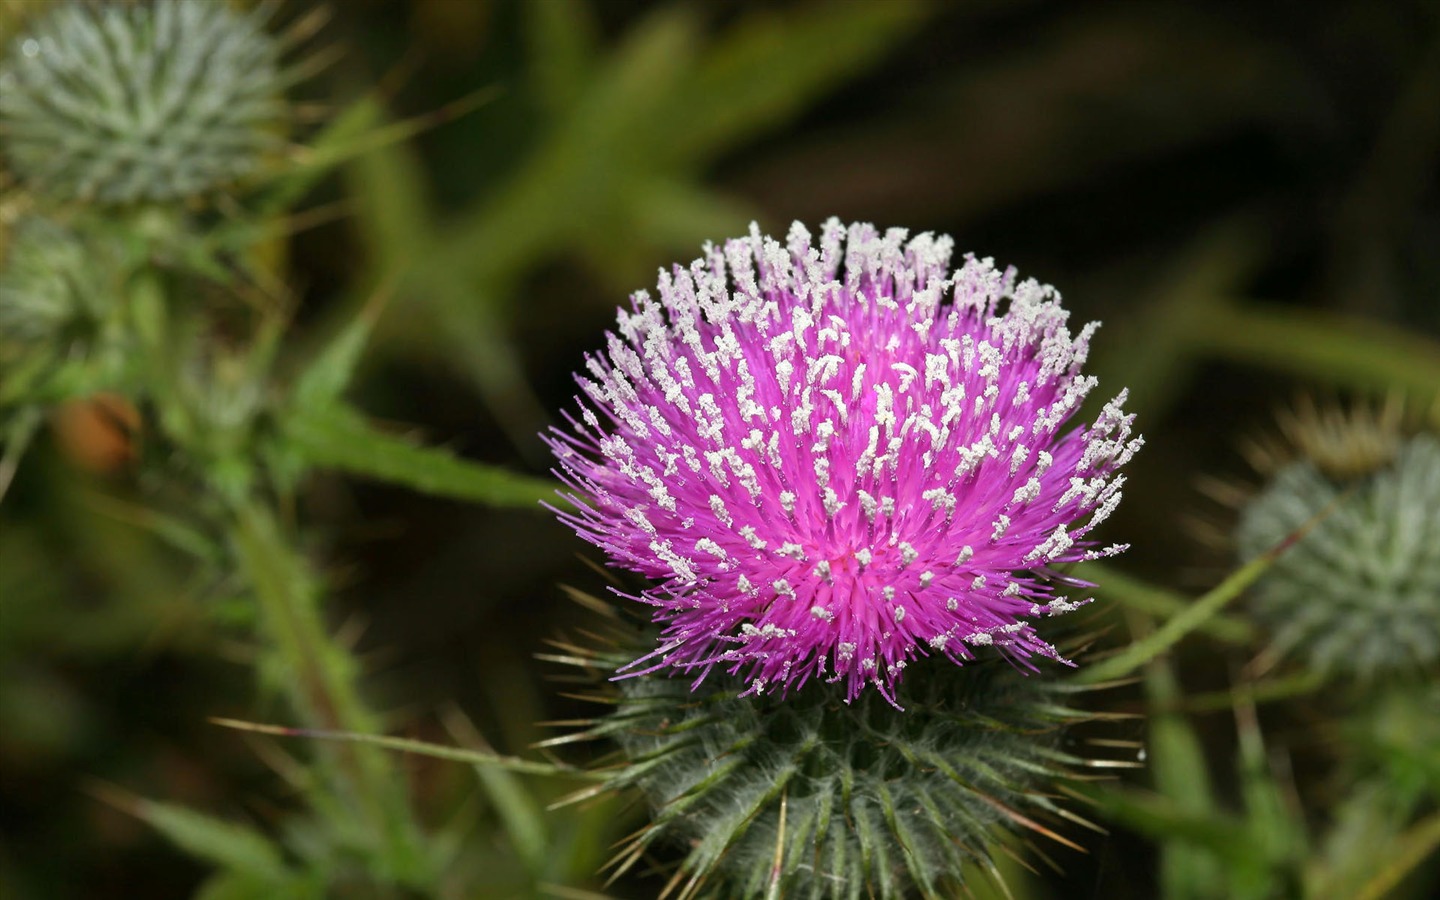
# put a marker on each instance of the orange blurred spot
(100, 433)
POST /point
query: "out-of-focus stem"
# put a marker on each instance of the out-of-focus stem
(1154, 600)
(317, 673)
(1330, 349)
(319, 676)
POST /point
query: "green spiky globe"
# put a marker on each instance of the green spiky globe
(826, 799)
(61, 328)
(118, 103)
(1359, 595)
(48, 291)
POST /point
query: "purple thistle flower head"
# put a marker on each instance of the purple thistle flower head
(835, 458)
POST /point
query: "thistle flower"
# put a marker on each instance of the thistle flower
(124, 102)
(837, 458)
(1358, 594)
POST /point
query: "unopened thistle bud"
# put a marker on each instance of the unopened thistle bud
(61, 333)
(47, 288)
(119, 103)
(1358, 595)
(839, 456)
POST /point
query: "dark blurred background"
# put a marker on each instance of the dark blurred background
(1148, 158)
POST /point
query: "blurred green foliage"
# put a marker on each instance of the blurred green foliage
(1245, 193)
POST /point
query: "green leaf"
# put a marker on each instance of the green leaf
(1177, 763)
(1153, 352)
(1402, 856)
(766, 68)
(1160, 817)
(229, 845)
(1369, 850)
(481, 348)
(393, 211)
(1324, 347)
(1276, 827)
(670, 215)
(172, 530)
(324, 153)
(675, 214)
(573, 184)
(518, 809)
(420, 748)
(329, 373)
(521, 815)
(235, 886)
(1255, 692)
(562, 36)
(570, 181)
(355, 132)
(340, 438)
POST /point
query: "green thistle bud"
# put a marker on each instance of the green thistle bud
(47, 291)
(120, 103)
(61, 328)
(812, 797)
(1359, 594)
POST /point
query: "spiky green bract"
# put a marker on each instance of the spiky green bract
(116, 103)
(818, 798)
(1359, 594)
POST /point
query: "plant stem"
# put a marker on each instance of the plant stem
(1327, 348)
(319, 676)
(1147, 598)
(1187, 620)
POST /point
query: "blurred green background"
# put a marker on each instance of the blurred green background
(1245, 193)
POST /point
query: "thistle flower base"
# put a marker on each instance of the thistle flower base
(833, 800)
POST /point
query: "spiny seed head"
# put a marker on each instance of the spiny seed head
(826, 799)
(837, 457)
(1359, 594)
(123, 102)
